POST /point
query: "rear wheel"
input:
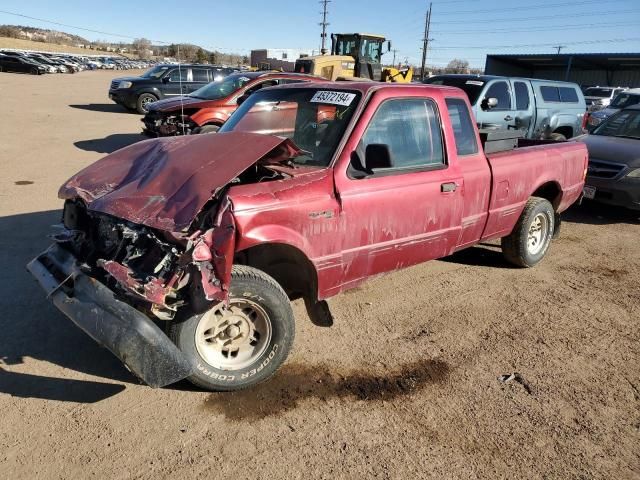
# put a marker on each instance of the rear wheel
(529, 242)
(144, 100)
(241, 345)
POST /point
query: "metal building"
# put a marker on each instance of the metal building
(585, 69)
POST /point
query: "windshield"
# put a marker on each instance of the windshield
(623, 124)
(314, 119)
(598, 92)
(624, 100)
(222, 88)
(471, 86)
(155, 72)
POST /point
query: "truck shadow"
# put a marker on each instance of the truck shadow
(482, 255)
(111, 143)
(32, 328)
(103, 107)
(592, 213)
(294, 384)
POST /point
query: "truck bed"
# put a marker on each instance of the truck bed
(554, 166)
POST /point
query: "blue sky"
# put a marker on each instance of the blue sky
(466, 29)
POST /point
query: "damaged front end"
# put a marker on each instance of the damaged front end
(147, 231)
(112, 277)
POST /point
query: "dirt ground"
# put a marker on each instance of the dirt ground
(405, 385)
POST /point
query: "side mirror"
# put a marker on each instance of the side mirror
(242, 99)
(377, 155)
(166, 79)
(389, 46)
(489, 103)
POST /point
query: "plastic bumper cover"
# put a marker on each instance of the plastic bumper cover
(126, 332)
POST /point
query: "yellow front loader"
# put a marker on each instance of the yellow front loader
(354, 56)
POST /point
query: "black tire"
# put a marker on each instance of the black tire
(257, 288)
(208, 129)
(558, 137)
(143, 102)
(521, 247)
(34, 71)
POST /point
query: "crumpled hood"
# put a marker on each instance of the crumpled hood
(169, 104)
(164, 183)
(614, 149)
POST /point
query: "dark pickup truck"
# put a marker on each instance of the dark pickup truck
(181, 254)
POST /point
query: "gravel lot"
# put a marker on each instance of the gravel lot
(405, 385)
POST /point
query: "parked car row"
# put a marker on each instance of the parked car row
(37, 63)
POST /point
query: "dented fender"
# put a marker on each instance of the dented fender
(213, 254)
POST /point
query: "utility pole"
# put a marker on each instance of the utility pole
(559, 47)
(394, 56)
(425, 41)
(324, 24)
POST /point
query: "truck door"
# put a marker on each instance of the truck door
(525, 107)
(503, 114)
(475, 169)
(401, 213)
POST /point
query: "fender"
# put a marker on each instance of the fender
(206, 117)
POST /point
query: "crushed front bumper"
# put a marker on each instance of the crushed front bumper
(126, 332)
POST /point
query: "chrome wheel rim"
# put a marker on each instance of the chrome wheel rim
(146, 101)
(538, 232)
(233, 338)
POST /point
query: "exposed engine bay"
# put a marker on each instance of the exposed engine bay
(170, 124)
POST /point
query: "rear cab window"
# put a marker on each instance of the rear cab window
(463, 129)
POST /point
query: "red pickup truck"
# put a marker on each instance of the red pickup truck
(181, 255)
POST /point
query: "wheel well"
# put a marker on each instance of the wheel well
(287, 265)
(566, 131)
(550, 191)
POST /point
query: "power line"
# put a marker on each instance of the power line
(324, 24)
(76, 27)
(537, 29)
(533, 7)
(586, 42)
(526, 19)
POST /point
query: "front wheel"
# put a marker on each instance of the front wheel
(144, 100)
(241, 345)
(529, 242)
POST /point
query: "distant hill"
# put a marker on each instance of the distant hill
(42, 35)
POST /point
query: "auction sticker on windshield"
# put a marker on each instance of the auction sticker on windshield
(333, 98)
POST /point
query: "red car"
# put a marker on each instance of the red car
(206, 109)
(306, 192)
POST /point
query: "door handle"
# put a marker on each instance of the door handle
(448, 187)
(508, 118)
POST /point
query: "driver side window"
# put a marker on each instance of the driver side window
(410, 127)
(178, 75)
(500, 90)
